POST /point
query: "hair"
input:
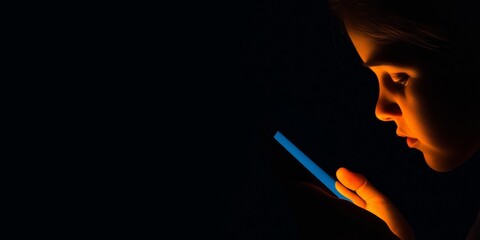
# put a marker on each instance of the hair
(432, 24)
(437, 25)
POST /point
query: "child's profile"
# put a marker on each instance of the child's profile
(421, 55)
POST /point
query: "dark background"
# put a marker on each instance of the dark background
(143, 121)
(301, 76)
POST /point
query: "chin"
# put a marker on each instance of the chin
(444, 162)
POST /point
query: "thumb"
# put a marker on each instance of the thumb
(365, 191)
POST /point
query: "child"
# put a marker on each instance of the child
(423, 55)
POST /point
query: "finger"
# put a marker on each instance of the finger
(349, 179)
(350, 195)
(359, 184)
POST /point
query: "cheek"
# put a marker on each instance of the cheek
(442, 143)
(429, 100)
(414, 110)
(419, 126)
(440, 113)
(427, 121)
(434, 140)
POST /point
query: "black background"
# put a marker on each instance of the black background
(143, 121)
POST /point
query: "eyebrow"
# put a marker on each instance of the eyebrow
(370, 64)
(374, 62)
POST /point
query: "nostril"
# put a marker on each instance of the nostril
(387, 111)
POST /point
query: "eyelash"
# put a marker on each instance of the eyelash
(400, 79)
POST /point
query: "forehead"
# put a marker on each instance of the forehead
(364, 46)
(399, 54)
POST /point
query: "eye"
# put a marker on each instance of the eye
(400, 79)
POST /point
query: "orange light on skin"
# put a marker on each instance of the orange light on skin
(446, 132)
(362, 193)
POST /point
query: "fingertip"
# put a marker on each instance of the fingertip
(337, 185)
(350, 179)
(343, 174)
(340, 171)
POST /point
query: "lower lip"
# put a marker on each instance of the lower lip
(412, 142)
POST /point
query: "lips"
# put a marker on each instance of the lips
(400, 134)
(411, 142)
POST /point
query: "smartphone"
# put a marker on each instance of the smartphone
(321, 175)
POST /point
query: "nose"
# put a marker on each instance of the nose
(387, 108)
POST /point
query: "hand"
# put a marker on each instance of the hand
(362, 193)
(319, 214)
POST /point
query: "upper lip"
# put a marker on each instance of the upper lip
(401, 134)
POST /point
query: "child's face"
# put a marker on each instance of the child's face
(426, 100)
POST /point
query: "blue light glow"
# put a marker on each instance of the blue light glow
(309, 164)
